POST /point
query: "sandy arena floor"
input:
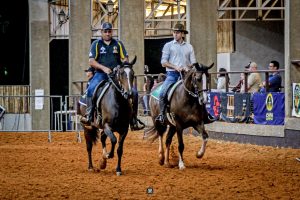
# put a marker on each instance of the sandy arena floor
(32, 168)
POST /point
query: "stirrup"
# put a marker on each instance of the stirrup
(160, 118)
(136, 127)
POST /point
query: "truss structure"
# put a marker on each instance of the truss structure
(251, 10)
(160, 17)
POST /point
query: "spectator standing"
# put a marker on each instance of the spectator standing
(274, 78)
(89, 74)
(254, 79)
(221, 82)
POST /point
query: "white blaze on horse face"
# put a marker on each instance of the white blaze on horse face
(127, 71)
(204, 81)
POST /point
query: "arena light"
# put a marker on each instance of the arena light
(62, 17)
(110, 7)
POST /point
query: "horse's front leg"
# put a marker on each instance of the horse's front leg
(120, 151)
(200, 128)
(103, 161)
(89, 146)
(169, 137)
(161, 150)
(113, 139)
(180, 148)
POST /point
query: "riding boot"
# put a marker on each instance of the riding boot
(161, 117)
(89, 112)
(134, 123)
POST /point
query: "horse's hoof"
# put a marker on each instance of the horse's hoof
(90, 169)
(119, 173)
(103, 164)
(181, 166)
(199, 155)
(110, 155)
(161, 162)
(167, 165)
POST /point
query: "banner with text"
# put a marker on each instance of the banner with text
(235, 107)
(213, 105)
(268, 108)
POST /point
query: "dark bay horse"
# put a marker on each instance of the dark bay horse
(186, 109)
(115, 107)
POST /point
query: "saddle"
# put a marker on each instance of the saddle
(98, 94)
(170, 91)
(97, 97)
(155, 93)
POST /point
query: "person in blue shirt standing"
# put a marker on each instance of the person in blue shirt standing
(105, 54)
(177, 55)
(89, 74)
(274, 78)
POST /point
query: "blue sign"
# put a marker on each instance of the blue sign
(268, 108)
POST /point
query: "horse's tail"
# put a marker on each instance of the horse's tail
(91, 135)
(150, 134)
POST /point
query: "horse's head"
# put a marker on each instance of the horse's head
(194, 78)
(200, 70)
(124, 75)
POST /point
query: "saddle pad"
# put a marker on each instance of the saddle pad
(155, 93)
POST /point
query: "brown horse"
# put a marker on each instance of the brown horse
(115, 107)
(186, 109)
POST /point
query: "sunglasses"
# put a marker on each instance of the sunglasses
(107, 31)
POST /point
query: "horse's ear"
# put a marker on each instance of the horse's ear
(211, 66)
(133, 61)
(198, 66)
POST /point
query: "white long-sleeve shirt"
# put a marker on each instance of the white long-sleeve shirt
(180, 55)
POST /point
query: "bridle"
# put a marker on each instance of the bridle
(197, 92)
(112, 76)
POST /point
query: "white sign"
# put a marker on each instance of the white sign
(39, 101)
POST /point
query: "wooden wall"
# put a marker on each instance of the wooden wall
(13, 98)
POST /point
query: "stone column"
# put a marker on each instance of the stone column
(292, 52)
(203, 31)
(39, 60)
(131, 33)
(79, 42)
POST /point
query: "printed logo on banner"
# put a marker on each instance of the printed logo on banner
(230, 106)
(296, 101)
(269, 106)
(216, 105)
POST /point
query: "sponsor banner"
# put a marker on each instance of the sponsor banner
(235, 107)
(296, 100)
(213, 104)
(268, 108)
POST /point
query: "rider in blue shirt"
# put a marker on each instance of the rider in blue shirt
(105, 54)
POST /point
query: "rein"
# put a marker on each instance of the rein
(197, 92)
(124, 94)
